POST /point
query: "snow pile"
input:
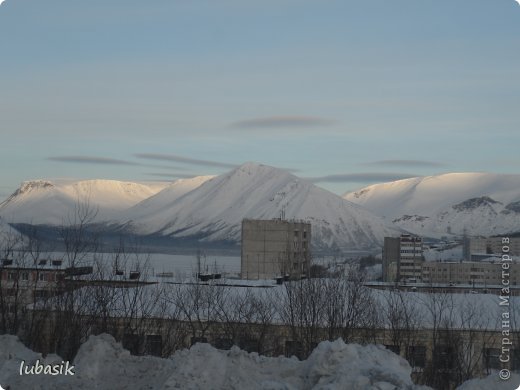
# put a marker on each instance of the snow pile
(352, 366)
(492, 382)
(12, 354)
(102, 363)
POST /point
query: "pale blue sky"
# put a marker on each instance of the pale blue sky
(352, 92)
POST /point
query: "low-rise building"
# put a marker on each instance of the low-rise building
(475, 247)
(471, 273)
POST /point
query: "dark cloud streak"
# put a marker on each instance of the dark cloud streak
(185, 160)
(90, 160)
(172, 175)
(282, 121)
(405, 163)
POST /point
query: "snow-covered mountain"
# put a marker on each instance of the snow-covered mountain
(162, 199)
(480, 203)
(214, 210)
(52, 203)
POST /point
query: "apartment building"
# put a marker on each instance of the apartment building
(402, 258)
(275, 248)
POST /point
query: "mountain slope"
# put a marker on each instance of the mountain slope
(45, 202)
(154, 204)
(214, 210)
(480, 203)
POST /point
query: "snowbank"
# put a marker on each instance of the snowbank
(102, 363)
(492, 382)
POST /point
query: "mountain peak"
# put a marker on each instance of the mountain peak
(251, 168)
(214, 211)
(33, 185)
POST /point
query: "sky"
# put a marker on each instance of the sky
(345, 93)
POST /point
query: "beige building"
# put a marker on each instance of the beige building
(474, 273)
(402, 258)
(490, 245)
(275, 248)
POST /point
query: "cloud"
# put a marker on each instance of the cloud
(90, 160)
(282, 121)
(173, 175)
(405, 163)
(375, 177)
(185, 160)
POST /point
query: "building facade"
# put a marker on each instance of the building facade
(475, 247)
(275, 248)
(402, 258)
(470, 273)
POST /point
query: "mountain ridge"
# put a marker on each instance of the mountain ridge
(474, 202)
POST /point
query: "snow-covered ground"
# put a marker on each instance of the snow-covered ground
(492, 382)
(102, 363)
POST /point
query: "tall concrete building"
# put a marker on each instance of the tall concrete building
(274, 248)
(402, 258)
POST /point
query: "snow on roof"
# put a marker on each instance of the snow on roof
(447, 310)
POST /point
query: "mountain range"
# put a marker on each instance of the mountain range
(208, 209)
(453, 203)
(44, 202)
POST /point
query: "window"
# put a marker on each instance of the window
(195, 340)
(153, 345)
(443, 357)
(41, 277)
(394, 348)
(132, 343)
(10, 292)
(416, 356)
(223, 343)
(25, 275)
(11, 275)
(293, 348)
(492, 358)
(41, 294)
(249, 345)
(515, 360)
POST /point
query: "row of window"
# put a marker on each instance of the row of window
(25, 276)
(444, 357)
(11, 292)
